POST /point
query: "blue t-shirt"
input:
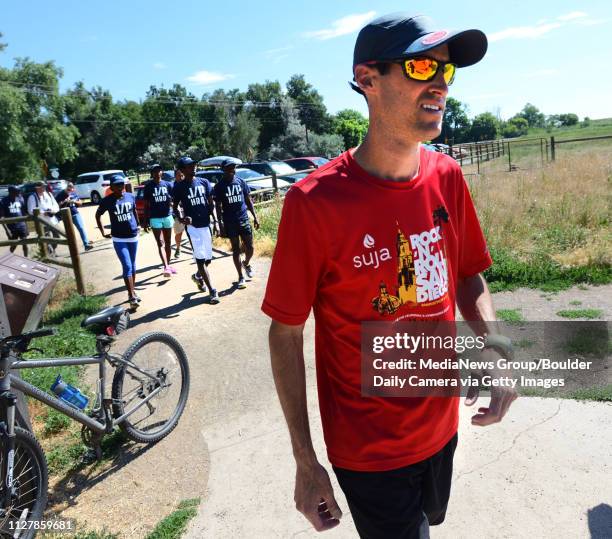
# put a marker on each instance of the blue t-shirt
(122, 213)
(159, 196)
(63, 195)
(14, 208)
(193, 195)
(232, 197)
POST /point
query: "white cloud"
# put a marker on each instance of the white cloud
(278, 54)
(519, 32)
(571, 16)
(159, 65)
(204, 78)
(341, 27)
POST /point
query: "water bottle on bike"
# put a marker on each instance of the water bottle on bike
(69, 394)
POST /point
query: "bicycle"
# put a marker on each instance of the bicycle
(151, 380)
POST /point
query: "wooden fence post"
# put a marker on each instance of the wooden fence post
(40, 233)
(274, 182)
(552, 148)
(509, 158)
(73, 248)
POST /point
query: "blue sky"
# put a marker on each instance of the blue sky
(554, 54)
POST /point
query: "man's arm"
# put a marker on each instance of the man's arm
(314, 496)
(475, 304)
(31, 204)
(251, 208)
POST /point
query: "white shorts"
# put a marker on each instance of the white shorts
(201, 239)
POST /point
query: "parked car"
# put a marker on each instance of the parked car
(254, 180)
(89, 185)
(57, 186)
(139, 195)
(296, 177)
(303, 163)
(28, 188)
(4, 189)
(268, 167)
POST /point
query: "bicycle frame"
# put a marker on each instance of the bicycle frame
(100, 359)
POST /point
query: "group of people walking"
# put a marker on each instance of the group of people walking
(188, 205)
(14, 205)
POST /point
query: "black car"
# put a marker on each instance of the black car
(267, 168)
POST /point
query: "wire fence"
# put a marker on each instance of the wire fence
(509, 155)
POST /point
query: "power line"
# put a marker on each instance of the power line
(178, 101)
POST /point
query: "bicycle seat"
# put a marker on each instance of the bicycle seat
(108, 316)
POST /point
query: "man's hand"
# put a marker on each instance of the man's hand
(187, 220)
(314, 497)
(501, 397)
(146, 228)
(256, 223)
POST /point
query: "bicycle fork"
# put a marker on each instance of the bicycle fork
(7, 435)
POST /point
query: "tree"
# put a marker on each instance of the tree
(351, 125)
(533, 116)
(244, 135)
(515, 127)
(32, 113)
(266, 102)
(455, 122)
(485, 126)
(311, 109)
(2, 45)
(568, 119)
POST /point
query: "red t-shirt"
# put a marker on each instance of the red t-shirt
(355, 248)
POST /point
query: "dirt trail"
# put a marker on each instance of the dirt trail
(230, 379)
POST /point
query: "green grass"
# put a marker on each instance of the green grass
(540, 271)
(70, 340)
(600, 394)
(575, 303)
(94, 535)
(573, 314)
(524, 343)
(592, 341)
(173, 526)
(510, 315)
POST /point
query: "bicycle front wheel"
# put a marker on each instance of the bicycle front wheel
(30, 482)
(152, 387)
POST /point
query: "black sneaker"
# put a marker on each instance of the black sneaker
(248, 270)
(199, 281)
(177, 252)
(89, 247)
(134, 303)
(241, 283)
(214, 297)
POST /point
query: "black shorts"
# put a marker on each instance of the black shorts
(391, 504)
(18, 233)
(242, 229)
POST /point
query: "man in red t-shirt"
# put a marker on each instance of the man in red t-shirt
(385, 232)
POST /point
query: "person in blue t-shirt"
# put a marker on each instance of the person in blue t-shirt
(195, 195)
(13, 205)
(158, 215)
(67, 198)
(232, 199)
(121, 208)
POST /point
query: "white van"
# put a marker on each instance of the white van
(89, 185)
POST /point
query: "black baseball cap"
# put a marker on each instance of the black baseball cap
(154, 166)
(184, 161)
(116, 179)
(400, 35)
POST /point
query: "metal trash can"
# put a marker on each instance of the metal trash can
(26, 287)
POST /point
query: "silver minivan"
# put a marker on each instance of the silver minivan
(89, 185)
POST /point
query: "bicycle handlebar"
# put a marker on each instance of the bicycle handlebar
(15, 341)
(42, 332)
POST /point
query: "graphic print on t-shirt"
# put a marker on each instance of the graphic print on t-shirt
(422, 273)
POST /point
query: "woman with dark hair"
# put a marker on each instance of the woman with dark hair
(121, 208)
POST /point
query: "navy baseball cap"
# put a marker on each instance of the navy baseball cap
(154, 166)
(116, 179)
(401, 35)
(184, 161)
